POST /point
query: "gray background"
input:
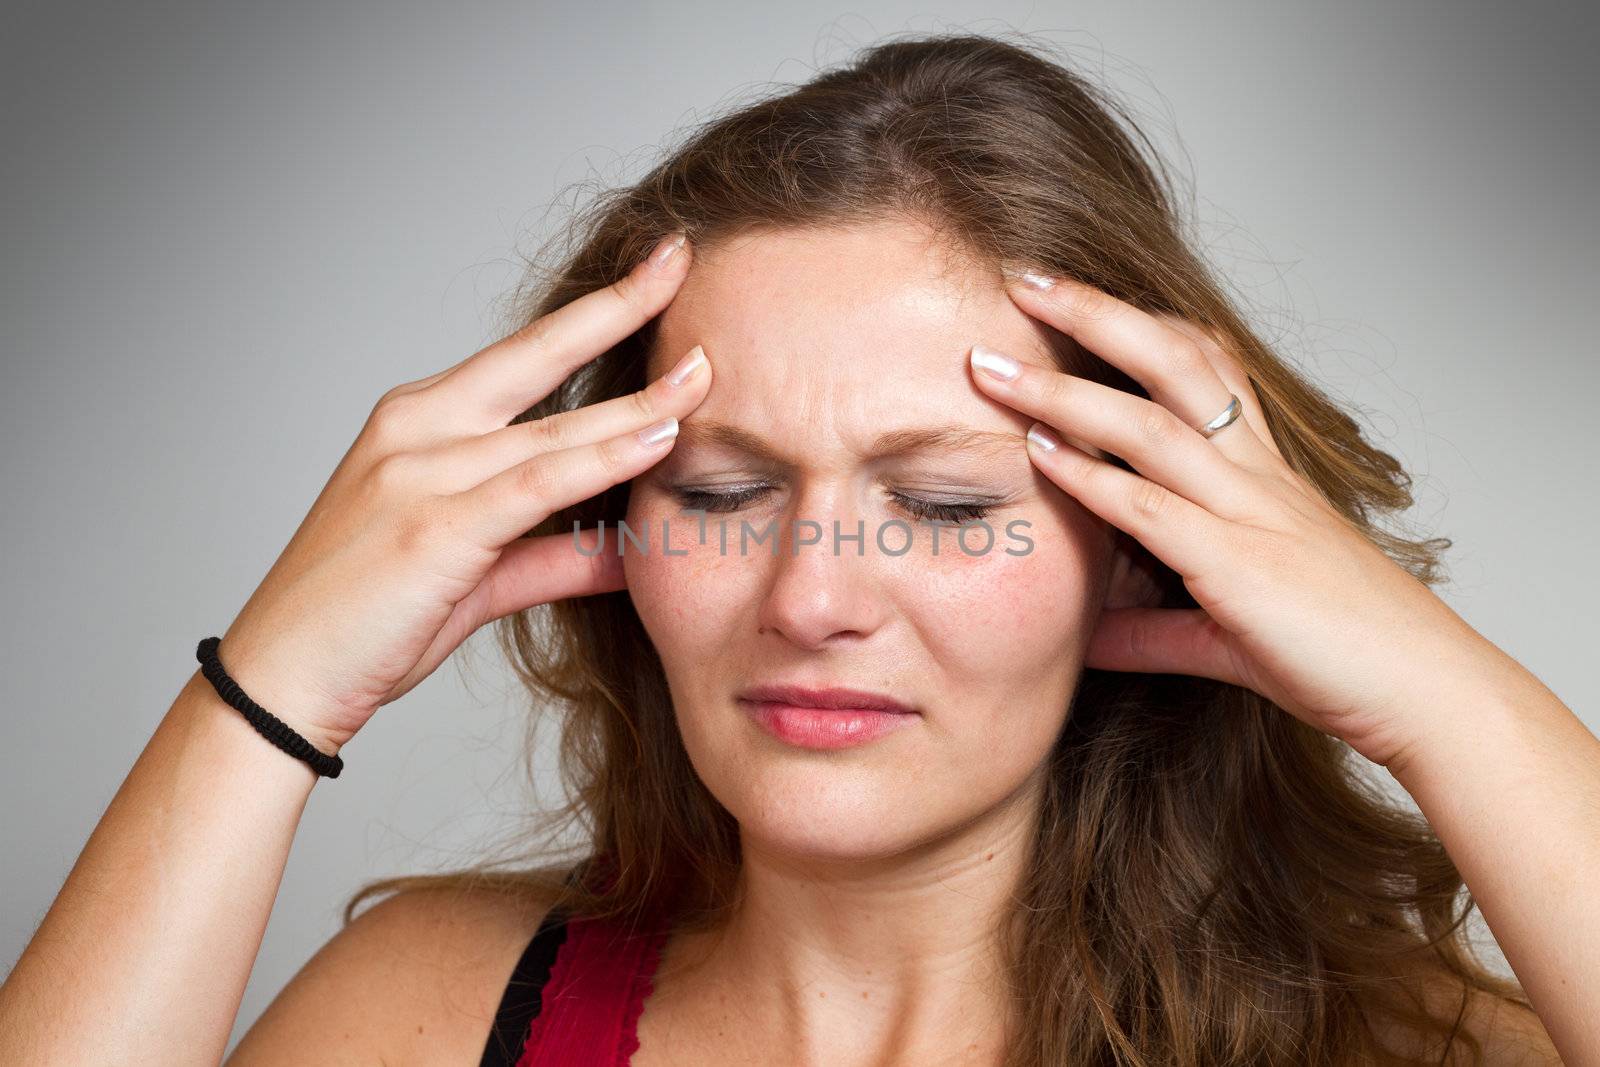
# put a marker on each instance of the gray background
(230, 227)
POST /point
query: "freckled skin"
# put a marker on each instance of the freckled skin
(819, 340)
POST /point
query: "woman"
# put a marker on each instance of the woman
(1104, 793)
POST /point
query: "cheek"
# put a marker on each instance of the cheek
(1003, 641)
(1010, 610)
(696, 606)
(1013, 613)
(694, 601)
(671, 593)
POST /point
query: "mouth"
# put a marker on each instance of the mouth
(831, 698)
(824, 719)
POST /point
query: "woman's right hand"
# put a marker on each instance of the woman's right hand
(415, 542)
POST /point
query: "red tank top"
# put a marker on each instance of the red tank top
(590, 1004)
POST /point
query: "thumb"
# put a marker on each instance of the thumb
(1162, 641)
(528, 572)
(537, 570)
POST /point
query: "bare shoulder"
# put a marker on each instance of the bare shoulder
(1509, 1034)
(414, 979)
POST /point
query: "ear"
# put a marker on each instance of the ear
(1133, 582)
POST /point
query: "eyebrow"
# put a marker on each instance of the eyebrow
(948, 437)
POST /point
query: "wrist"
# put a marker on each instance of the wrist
(305, 713)
(1484, 722)
(225, 737)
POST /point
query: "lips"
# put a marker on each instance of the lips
(832, 697)
(825, 719)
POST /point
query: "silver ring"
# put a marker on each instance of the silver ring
(1229, 414)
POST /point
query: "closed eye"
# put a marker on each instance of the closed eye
(926, 510)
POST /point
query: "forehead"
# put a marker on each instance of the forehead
(876, 318)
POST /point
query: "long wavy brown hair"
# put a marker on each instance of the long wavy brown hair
(1213, 881)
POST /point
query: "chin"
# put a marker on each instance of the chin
(840, 839)
(813, 808)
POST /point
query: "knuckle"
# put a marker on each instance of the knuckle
(396, 413)
(610, 455)
(1056, 390)
(1207, 337)
(535, 335)
(416, 518)
(415, 385)
(1214, 347)
(1081, 467)
(394, 473)
(1078, 301)
(537, 477)
(416, 529)
(1150, 501)
(551, 433)
(627, 287)
(1140, 638)
(1157, 426)
(644, 406)
(398, 390)
(1187, 360)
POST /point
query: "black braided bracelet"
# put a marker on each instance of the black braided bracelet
(267, 724)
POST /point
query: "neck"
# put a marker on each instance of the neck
(873, 959)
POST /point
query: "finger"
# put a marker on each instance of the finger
(421, 383)
(1168, 363)
(507, 378)
(537, 570)
(529, 572)
(1231, 373)
(520, 497)
(1161, 641)
(1150, 437)
(465, 463)
(1182, 534)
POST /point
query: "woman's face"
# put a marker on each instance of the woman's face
(821, 341)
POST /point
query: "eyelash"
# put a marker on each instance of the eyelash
(707, 500)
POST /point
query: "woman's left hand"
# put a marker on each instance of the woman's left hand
(1296, 603)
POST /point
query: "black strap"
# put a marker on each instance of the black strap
(524, 993)
(267, 724)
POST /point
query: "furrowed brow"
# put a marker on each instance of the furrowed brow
(899, 442)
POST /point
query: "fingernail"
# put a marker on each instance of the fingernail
(995, 364)
(1043, 437)
(668, 248)
(1028, 277)
(660, 431)
(691, 362)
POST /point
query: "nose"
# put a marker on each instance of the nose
(824, 585)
